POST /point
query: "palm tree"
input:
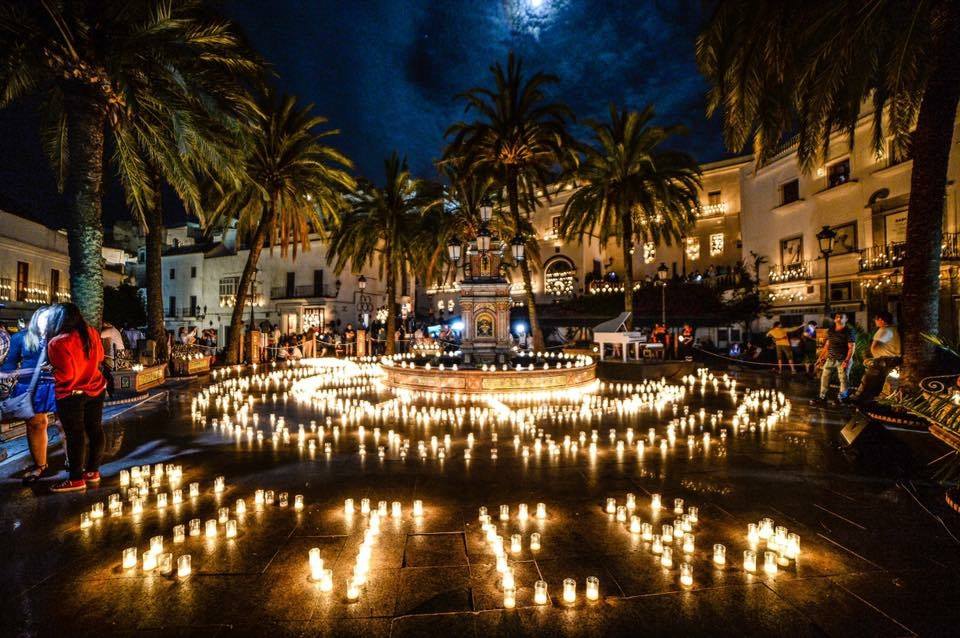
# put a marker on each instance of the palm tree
(293, 187)
(383, 224)
(519, 138)
(778, 68)
(632, 189)
(102, 67)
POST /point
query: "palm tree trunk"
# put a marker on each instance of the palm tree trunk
(86, 118)
(931, 152)
(154, 275)
(391, 302)
(243, 287)
(626, 223)
(514, 198)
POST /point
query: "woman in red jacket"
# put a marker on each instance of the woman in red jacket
(76, 354)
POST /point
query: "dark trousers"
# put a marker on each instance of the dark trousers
(874, 376)
(82, 419)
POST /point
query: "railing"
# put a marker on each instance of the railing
(712, 210)
(892, 255)
(798, 271)
(299, 292)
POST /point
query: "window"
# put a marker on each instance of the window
(692, 248)
(291, 284)
(713, 198)
(556, 226)
(318, 283)
(173, 273)
(23, 280)
(141, 255)
(172, 307)
(789, 192)
(559, 278)
(649, 252)
(841, 292)
(838, 173)
(54, 285)
(193, 272)
(193, 305)
(716, 244)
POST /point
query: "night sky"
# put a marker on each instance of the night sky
(386, 72)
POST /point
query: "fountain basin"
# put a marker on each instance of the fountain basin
(474, 381)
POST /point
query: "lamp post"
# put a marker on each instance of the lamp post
(825, 238)
(365, 306)
(518, 248)
(662, 273)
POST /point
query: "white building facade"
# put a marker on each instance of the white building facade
(200, 286)
(862, 196)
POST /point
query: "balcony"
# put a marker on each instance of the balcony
(33, 292)
(301, 292)
(891, 255)
(708, 211)
(799, 271)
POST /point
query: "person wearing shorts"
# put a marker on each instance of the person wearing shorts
(781, 340)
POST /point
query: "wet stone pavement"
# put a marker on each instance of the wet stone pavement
(878, 548)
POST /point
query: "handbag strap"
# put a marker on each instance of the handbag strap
(42, 359)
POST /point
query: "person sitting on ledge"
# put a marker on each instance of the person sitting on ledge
(884, 357)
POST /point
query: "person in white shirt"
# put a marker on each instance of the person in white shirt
(133, 336)
(884, 356)
(113, 342)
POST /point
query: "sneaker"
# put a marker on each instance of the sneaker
(91, 477)
(69, 485)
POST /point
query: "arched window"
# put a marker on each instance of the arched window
(560, 277)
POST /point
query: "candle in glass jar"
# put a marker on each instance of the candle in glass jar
(179, 533)
(693, 514)
(316, 564)
(569, 590)
(766, 528)
(541, 511)
(635, 524)
(177, 496)
(678, 506)
(365, 506)
(240, 508)
(194, 527)
(667, 535)
(161, 500)
(534, 541)
(631, 501)
(504, 512)
(231, 528)
(96, 510)
(396, 509)
(593, 588)
(194, 490)
(688, 540)
(719, 554)
(298, 502)
(353, 589)
(218, 484)
(165, 563)
(509, 597)
(753, 536)
(770, 562)
(326, 580)
(124, 478)
(686, 574)
(223, 514)
(184, 566)
(522, 513)
(657, 546)
(348, 507)
(130, 558)
(540, 592)
(156, 544)
(211, 528)
(268, 497)
(85, 521)
(750, 560)
(655, 502)
(516, 543)
(418, 508)
(793, 545)
(149, 561)
(666, 558)
(611, 506)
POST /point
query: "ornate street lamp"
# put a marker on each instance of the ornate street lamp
(518, 248)
(362, 283)
(486, 212)
(826, 238)
(454, 248)
(483, 239)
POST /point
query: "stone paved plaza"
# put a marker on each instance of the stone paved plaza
(878, 551)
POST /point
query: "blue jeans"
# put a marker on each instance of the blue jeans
(842, 373)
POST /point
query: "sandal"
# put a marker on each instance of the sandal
(33, 474)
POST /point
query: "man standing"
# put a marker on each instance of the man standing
(836, 355)
(781, 339)
(884, 356)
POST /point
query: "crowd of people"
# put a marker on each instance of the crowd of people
(55, 364)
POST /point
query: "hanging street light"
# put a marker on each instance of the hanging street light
(518, 248)
(454, 248)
